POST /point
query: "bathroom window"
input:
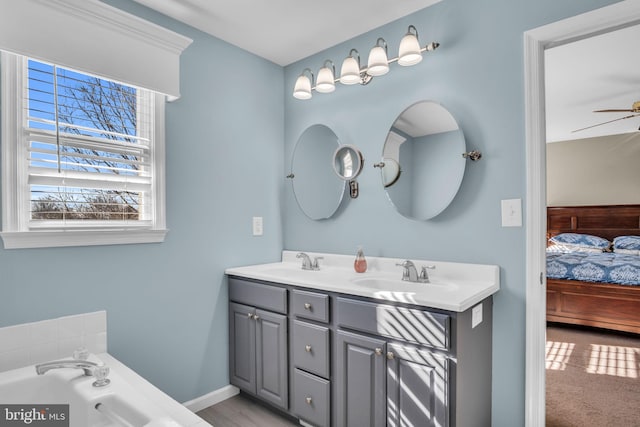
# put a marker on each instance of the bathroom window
(83, 158)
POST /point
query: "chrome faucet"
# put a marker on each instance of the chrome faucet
(85, 365)
(90, 369)
(410, 273)
(307, 264)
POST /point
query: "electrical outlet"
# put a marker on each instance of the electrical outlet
(257, 226)
(476, 315)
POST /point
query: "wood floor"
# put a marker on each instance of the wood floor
(240, 411)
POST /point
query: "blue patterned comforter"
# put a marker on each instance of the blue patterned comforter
(609, 267)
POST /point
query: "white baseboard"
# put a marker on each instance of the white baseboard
(216, 396)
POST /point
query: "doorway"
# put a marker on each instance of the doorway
(536, 41)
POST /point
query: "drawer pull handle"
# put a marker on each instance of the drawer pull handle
(307, 348)
(390, 355)
(256, 317)
(250, 315)
(378, 351)
(307, 306)
(309, 400)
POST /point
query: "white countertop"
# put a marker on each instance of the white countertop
(454, 286)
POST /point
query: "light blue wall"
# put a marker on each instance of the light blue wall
(478, 75)
(229, 144)
(167, 303)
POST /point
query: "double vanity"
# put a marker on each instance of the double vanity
(333, 347)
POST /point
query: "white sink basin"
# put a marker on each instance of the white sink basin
(386, 284)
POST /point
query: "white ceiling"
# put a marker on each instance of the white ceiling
(285, 31)
(597, 73)
(600, 72)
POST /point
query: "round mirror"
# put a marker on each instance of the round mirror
(316, 188)
(422, 164)
(347, 162)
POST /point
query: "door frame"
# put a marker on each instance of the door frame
(536, 41)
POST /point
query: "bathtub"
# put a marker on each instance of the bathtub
(127, 401)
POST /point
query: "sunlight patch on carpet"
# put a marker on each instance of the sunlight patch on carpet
(557, 355)
(614, 360)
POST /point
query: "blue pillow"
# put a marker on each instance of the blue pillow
(631, 243)
(581, 240)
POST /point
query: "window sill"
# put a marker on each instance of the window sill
(52, 239)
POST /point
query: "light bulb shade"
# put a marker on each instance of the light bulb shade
(350, 71)
(409, 52)
(302, 89)
(325, 82)
(378, 64)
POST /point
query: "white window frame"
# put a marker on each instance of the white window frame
(15, 189)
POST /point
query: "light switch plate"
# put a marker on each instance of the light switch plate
(257, 226)
(476, 315)
(512, 213)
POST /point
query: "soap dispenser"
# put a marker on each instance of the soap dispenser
(360, 264)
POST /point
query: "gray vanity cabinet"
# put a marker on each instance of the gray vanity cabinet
(309, 346)
(360, 377)
(360, 362)
(258, 361)
(397, 374)
(242, 339)
(416, 387)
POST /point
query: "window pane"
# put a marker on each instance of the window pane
(83, 124)
(65, 203)
(80, 156)
(86, 105)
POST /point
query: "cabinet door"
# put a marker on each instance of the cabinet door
(360, 375)
(271, 358)
(242, 347)
(417, 393)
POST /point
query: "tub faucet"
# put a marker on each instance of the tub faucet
(90, 369)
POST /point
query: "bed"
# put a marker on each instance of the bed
(604, 290)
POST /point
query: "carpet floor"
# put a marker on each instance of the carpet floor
(593, 378)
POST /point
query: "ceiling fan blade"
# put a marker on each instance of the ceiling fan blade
(613, 111)
(604, 123)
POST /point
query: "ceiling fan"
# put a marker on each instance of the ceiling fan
(635, 109)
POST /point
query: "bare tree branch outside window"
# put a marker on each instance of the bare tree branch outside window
(99, 110)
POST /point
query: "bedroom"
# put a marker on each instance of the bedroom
(592, 155)
(592, 190)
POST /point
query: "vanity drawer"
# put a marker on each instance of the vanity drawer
(311, 398)
(406, 324)
(258, 295)
(310, 305)
(310, 348)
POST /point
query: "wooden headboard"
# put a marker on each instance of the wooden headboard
(606, 221)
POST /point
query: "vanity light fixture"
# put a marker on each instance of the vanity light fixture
(409, 52)
(351, 72)
(302, 89)
(326, 82)
(378, 64)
